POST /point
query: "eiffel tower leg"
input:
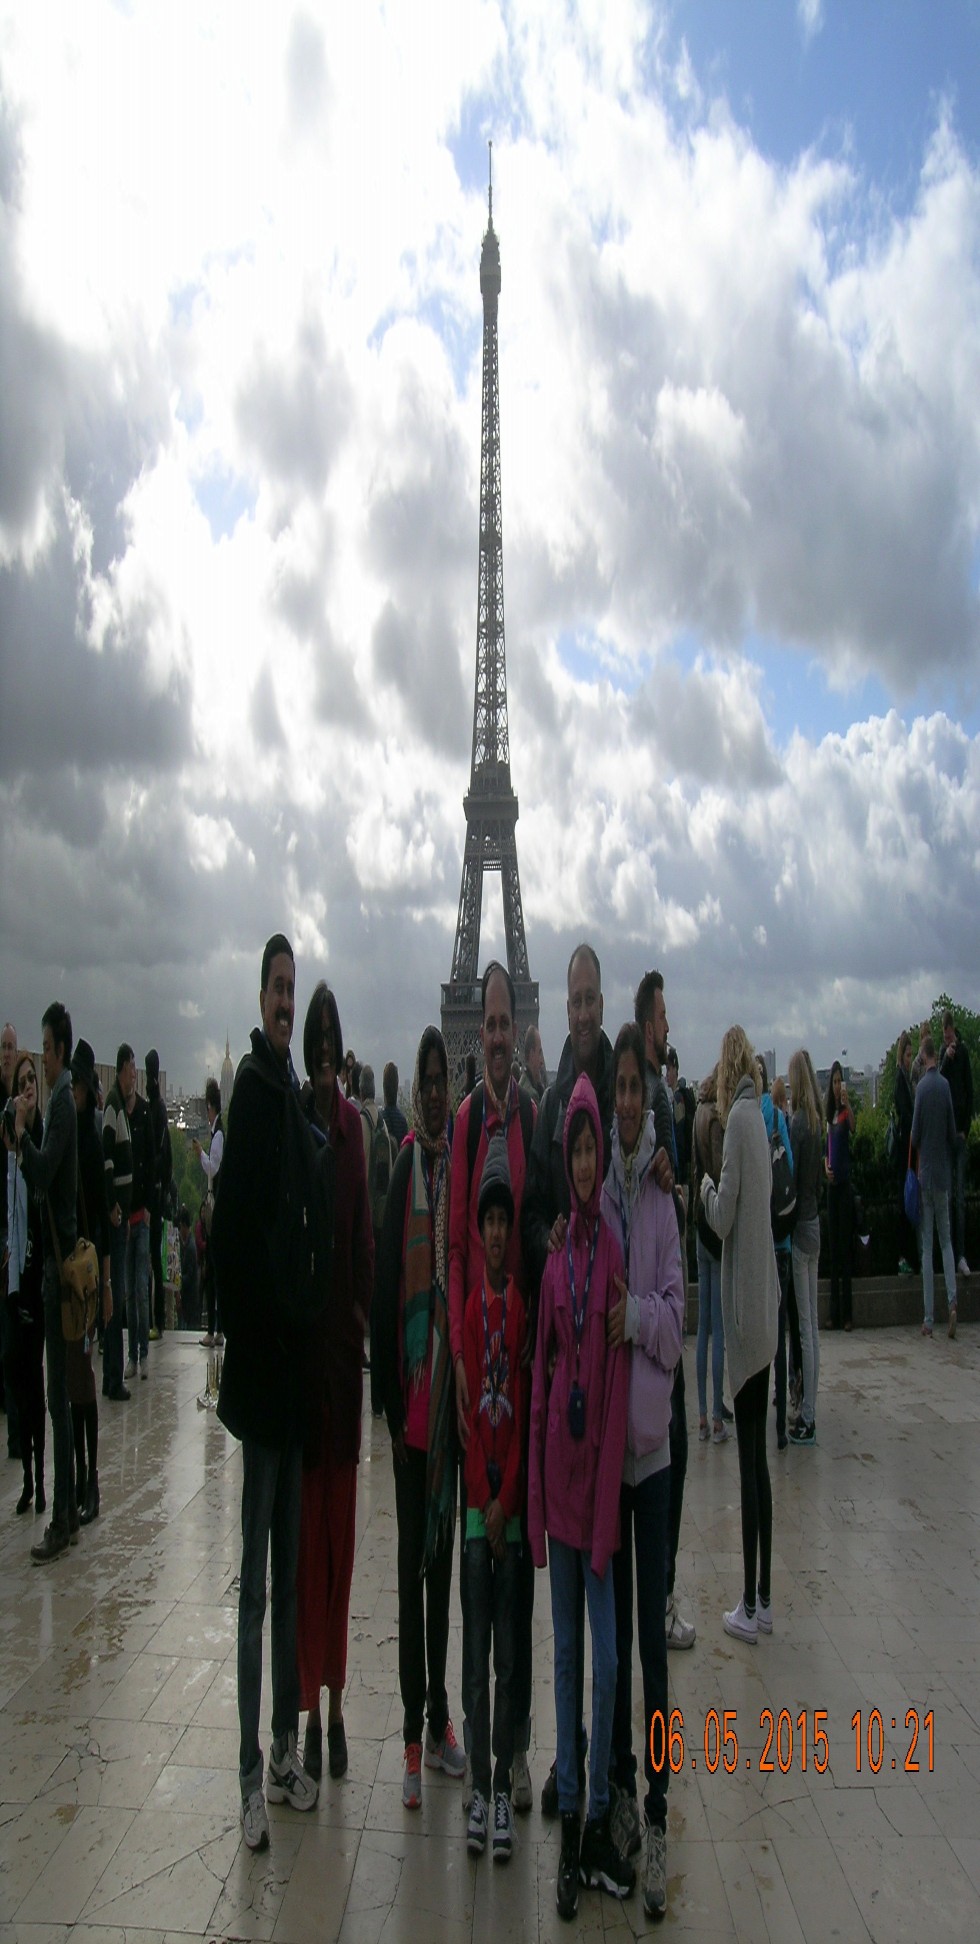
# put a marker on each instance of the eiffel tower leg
(470, 911)
(510, 883)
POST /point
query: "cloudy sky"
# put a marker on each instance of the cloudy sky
(240, 335)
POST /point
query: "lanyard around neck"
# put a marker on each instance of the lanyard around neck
(578, 1315)
(496, 1365)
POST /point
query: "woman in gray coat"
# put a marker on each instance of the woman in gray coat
(738, 1211)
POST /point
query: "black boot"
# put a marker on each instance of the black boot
(90, 1510)
(81, 1479)
(602, 1867)
(26, 1498)
(54, 1543)
(566, 1889)
(40, 1502)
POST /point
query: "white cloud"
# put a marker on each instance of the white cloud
(810, 16)
(239, 477)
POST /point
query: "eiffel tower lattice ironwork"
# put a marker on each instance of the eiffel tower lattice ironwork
(490, 804)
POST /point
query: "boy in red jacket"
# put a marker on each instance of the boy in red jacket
(494, 1325)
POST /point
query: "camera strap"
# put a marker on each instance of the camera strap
(578, 1315)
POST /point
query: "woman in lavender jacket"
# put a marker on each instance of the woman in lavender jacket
(649, 1316)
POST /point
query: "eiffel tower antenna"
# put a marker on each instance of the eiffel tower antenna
(490, 804)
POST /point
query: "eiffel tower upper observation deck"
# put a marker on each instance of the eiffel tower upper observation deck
(490, 803)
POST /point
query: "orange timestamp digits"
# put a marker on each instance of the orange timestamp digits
(802, 1739)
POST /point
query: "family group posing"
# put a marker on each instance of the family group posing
(527, 1330)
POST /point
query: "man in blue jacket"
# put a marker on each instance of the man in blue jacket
(934, 1139)
(774, 1117)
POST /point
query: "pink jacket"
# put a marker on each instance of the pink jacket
(656, 1285)
(573, 1483)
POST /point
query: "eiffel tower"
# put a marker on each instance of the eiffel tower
(490, 804)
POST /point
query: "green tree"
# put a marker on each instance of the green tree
(967, 1025)
(187, 1171)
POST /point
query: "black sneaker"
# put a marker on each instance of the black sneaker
(566, 1888)
(54, 1543)
(803, 1434)
(601, 1867)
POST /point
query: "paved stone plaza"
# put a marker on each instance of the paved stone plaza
(119, 1817)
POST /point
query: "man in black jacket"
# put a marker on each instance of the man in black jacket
(138, 1231)
(52, 1172)
(255, 1226)
(162, 1172)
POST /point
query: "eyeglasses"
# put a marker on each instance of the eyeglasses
(27, 1080)
(432, 1084)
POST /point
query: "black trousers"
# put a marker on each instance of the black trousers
(423, 1606)
(158, 1306)
(25, 1376)
(840, 1226)
(751, 1411)
(678, 1469)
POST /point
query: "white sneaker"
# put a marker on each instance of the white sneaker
(476, 1828)
(680, 1632)
(763, 1615)
(655, 1872)
(503, 1828)
(130, 1370)
(288, 1780)
(962, 1267)
(445, 1754)
(144, 1373)
(741, 1625)
(521, 1792)
(255, 1822)
(624, 1821)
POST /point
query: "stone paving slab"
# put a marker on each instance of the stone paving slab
(118, 1792)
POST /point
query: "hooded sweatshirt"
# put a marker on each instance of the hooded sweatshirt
(738, 1211)
(645, 1220)
(573, 1483)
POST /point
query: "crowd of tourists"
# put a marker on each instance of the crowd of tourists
(516, 1268)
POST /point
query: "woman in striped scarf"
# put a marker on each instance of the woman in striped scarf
(412, 1343)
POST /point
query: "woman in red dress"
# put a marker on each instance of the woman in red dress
(326, 1545)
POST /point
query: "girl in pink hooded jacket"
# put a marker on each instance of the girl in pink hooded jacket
(575, 1463)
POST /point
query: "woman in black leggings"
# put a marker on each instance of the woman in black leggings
(738, 1211)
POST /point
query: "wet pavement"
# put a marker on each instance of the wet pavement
(118, 1789)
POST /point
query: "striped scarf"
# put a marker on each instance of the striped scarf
(425, 1322)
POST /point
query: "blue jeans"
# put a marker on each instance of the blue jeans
(782, 1270)
(271, 1493)
(710, 1323)
(564, 1565)
(959, 1196)
(805, 1283)
(643, 1513)
(138, 1290)
(935, 1208)
(112, 1359)
(491, 1608)
(62, 1443)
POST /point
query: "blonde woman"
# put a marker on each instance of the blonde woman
(738, 1211)
(806, 1138)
